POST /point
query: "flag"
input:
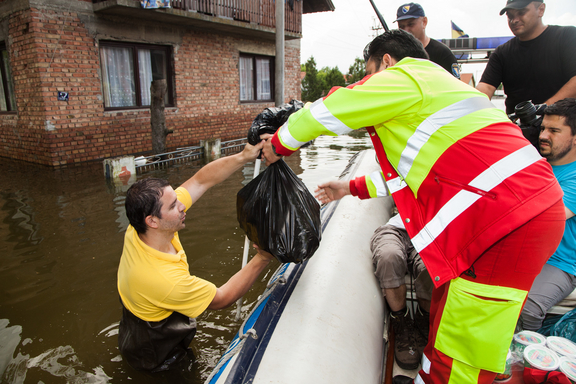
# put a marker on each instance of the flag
(457, 32)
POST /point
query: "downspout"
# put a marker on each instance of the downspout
(279, 66)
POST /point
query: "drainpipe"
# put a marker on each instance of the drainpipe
(279, 67)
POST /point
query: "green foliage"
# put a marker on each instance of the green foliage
(356, 72)
(317, 83)
(334, 78)
(311, 84)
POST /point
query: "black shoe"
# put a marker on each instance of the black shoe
(402, 380)
(405, 348)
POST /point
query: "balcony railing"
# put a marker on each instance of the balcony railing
(260, 12)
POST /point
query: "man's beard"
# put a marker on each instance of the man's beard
(555, 156)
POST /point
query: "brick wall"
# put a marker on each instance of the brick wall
(53, 51)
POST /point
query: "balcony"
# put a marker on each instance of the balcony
(252, 18)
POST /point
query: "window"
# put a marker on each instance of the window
(129, 69)
(7, 97)
(256, 78)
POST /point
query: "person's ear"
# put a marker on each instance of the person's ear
(541, 9)
(424, 21)
(151, 221)
(386, 61)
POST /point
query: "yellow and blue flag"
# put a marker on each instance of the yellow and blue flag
(457, 32)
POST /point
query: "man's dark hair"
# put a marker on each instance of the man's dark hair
(398, 44)
(565, 108)
(142, 200)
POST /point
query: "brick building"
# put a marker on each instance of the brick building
(75, 74)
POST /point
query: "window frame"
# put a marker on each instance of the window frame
(10, 109)
(134, 47)
(254, 57)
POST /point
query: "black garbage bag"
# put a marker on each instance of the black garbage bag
(269, 120)
(279, 214)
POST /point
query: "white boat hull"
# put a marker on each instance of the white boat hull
(331, 327)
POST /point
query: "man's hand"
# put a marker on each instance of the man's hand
(267, 150)
(263, 254)
(251, 152)
(333, 190)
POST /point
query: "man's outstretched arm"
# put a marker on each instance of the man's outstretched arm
(219, 170)
(241, 282)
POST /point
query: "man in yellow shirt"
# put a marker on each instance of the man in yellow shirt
(159, 296)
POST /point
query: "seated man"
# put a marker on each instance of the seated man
(557, 279)
(393, 256)
(160, 297)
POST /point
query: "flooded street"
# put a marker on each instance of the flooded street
(61, 236)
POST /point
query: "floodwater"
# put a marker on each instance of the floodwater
(61, 235)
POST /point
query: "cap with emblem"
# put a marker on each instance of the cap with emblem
(517, 4)
(409, 11)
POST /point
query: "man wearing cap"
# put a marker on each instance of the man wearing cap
(411, 18)
(538, 64)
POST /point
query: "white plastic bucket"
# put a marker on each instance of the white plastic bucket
(562, 346)
(525, 338)
(568, 367)
(540, 357)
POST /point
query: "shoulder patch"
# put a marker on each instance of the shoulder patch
(456, 70)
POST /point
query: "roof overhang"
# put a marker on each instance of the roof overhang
(312, 6)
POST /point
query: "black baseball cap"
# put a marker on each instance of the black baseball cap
(517, 4)
(409, 11)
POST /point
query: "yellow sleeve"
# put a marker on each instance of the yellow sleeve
(184, 197)
(190, 296)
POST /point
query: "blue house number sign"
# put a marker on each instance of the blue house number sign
(63, 96)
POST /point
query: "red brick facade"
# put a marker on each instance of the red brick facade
(53, 50)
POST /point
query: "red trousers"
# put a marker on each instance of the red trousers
(514, 261)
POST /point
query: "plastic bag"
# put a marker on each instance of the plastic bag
(280, 215)
(271, 119)
(564, 326)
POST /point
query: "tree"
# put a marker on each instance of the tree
(333, 78)
(356, 72)
(311, 84)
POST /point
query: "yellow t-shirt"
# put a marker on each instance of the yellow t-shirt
(153, 284)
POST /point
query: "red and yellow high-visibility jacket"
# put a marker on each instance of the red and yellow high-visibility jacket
(461, 174)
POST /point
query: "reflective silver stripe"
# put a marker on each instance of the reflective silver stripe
(323, 116)
(486, 181)
(426, 364)
(327, 119)
(379, 183)
(435, 122)
(418, 380)
(287, 139)
(396, 184)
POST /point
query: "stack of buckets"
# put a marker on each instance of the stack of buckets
(550, 353)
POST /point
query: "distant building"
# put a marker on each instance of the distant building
(75, 74)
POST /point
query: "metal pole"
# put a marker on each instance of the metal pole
(246, 245)
(379, 16)
(279, 69)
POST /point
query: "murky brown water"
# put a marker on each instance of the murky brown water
(61, 234)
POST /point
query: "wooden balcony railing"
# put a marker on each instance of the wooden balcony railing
(261, 12)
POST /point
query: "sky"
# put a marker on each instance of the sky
(337, 38)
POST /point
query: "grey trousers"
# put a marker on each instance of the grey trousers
(551, 286)
(393, 255)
